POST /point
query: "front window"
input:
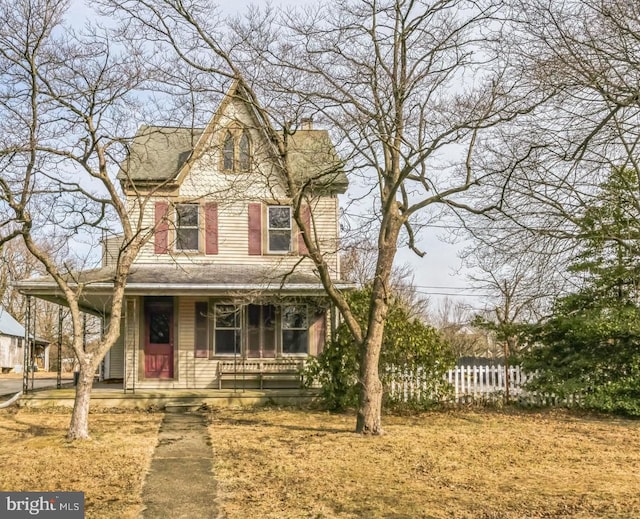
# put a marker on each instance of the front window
(295, 329)
(227, 333)
(279, 218)
(187, 228)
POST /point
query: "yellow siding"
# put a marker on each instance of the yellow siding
(233, 239)
(186, 338)
(205, 182)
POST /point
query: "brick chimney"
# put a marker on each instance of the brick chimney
(306, 123)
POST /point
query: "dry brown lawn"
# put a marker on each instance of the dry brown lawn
(491, 465)
(109, 469)
(276, 463)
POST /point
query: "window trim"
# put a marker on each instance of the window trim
(178, 227)
(268, 229)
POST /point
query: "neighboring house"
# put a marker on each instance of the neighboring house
(223, 294)
(12, 346)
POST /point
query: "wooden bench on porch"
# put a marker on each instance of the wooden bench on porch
(260, 370)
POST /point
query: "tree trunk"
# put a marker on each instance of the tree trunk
(369, 420)
(79, 426)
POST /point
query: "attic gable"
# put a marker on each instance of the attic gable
(164, 156)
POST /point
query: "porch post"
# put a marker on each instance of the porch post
(129, 337)
(33, 348)
(59, 366)
(25, 361)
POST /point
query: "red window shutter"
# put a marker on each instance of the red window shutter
(211, 228)
(161, 235)
(255, 229)
(201, 346)
(305, 213)
(318, 331)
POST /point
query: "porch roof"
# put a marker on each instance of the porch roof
(174, 279)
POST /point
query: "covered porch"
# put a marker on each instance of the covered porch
(207, 327)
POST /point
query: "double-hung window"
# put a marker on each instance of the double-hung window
(295, 329)
(227, 335)
(279, 228)
(187, 227)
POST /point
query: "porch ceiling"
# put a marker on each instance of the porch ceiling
(173, 279)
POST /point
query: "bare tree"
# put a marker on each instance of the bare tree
(454, 321)
(17, 263)
(582, 55)
(67, 106)
(358, 262)
(407, 88)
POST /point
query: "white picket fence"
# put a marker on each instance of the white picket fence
(485, 382)
(467, 383)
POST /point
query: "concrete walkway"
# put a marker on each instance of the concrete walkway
(180, 481)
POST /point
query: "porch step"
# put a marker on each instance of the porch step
(182, 407)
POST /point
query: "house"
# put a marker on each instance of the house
(12, 351)
(223, 295)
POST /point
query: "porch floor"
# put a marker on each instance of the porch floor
(168, 399)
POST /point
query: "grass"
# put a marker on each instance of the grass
(34, 456)
(481, 465)
(277, 463)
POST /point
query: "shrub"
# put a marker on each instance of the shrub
(410, 348)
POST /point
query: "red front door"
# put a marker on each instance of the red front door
(158, 347)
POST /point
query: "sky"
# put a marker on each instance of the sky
(440, 273)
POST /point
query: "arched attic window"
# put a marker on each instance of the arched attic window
(243, 152)
(228, 152)
(236, 150)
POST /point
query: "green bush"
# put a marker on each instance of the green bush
(410, 348)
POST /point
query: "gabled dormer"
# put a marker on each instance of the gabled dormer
(237, 140)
